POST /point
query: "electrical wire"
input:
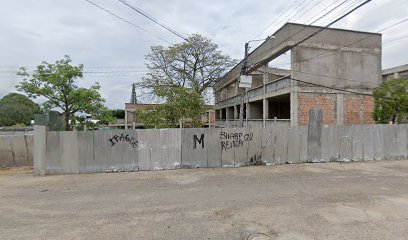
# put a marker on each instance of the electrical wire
(348, 45)
(143, 13)
(317, 32)
(289, 16)
(320, 29)
(333, 88)
(129, 22)
(275, 19)
(308, 10)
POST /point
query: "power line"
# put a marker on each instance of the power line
(116, 72)
(331, 23)
(322, 28)
(143, 13)
(323, 10)
(117, 67)
(277, 17)
(333, 77)
(345, 9)
(303, 28)
(333, 88)
(301, 9)
(348, 45)
(395, 39)
(119, 75)
(289, 15)
(131, 23)
(308, 10)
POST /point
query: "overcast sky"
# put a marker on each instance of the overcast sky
(34, 31)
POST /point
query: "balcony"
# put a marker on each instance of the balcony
(274, 86)
(253, 123)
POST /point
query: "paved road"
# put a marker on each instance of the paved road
(310, 201)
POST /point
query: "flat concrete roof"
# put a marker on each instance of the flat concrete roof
(288, 35)
(401, 68)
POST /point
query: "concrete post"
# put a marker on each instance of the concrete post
(248, 112)
(294, 107)
(40, 144)
(126, 119)
(264, 101)
(314, 133)
(340, 109)
(133, 125)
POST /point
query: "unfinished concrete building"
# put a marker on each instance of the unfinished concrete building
(395, 72)
(335, 70)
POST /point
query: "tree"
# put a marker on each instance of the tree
(391, 101)
(16, 108)
(118, 113)
(102, 116)
(196, 63)
(133, 98)
(180, 104)
(58, 84)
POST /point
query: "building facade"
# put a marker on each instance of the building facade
(395, 72)
(131, 121)
(335, 70)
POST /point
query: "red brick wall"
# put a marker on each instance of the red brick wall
(357, 109)
(368, 109)
(351, 110)
(326, 102)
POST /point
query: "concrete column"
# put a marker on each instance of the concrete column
(265, 110)
(248, 111)
(340, 109)
(294, 106)
(126, 119)
(40, 147)
(236, 112)
(396, 75)
(264, 101)
(227, 115)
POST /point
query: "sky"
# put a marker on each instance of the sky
(113, 51)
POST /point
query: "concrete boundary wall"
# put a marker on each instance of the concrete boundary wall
(16, 150)
(158, 149)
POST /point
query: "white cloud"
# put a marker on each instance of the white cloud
(34, 31)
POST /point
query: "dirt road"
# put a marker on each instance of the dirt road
(367, 200)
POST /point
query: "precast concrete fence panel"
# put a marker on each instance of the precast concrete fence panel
(59, 152)
(16, 150)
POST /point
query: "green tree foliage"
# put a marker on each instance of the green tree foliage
(133, 97)
(118, 113)
(196, 64)
(180, 104)
(391, 101)
(58, 83)
(103, 116)
(16, 108)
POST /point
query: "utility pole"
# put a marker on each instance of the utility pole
(244, 71)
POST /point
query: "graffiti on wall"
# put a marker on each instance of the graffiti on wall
(124, 138)
(228, 140)
(199, 141)
(234, 140)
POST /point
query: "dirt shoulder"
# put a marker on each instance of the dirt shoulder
(363, 200)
